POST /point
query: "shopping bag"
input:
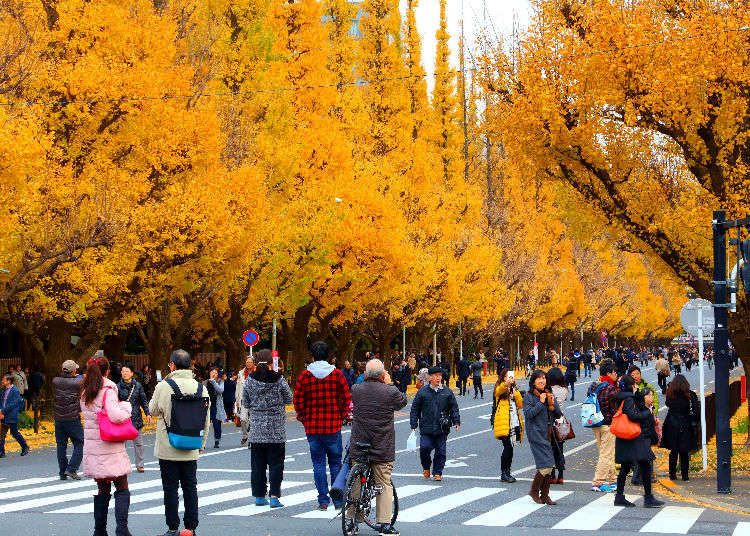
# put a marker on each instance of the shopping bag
(411, 442)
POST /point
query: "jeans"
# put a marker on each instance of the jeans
(73, 431)
(13, 428)
(645, 471)
(506, 458)
(428, 443)
(478, 386)
(138, 450)
(270, 455)
(324, 446)
(174, 475)
(587, 369)
(462, 385)
(217, 430)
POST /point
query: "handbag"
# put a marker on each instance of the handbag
(563, 429)
(114, 432)
(623, 427)
(237, 421)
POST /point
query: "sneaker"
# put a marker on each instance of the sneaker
(649, 501)
(275, 503)
(604, 488)
(437, 478)
(25, 451)
(216, 444)
(63, 477)
(260, 501)
(73, 475)
(386, 529)
(322, 507)
(243, 441)
(172, 533)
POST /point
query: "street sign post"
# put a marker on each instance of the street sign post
(697, 318)
(250, 338)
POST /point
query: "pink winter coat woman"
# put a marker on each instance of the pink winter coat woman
(104, 460)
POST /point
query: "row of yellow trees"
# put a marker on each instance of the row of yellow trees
(189, 168)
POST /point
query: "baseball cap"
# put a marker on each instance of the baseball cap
(70, 366)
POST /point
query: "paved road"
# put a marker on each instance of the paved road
(470, 501)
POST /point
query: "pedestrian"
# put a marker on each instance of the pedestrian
(588, 359)
(375, 401)
(321, 400)
(239, 409)
(662, 373)
(215, 388)
(266, 394)
(178, 463)
(539, 409)
(643, 387)
(405, 377)
(36, 382)
(11, 404)
(681, 426)
(26, 373)
(571, 375)
(507, 423)
(146, 378)
(423, 378)
(476, 378)
(19, 380)
(349, 373)
(434, 410)
(463, 371)
(229, 395)
(605, 390)
(131, 390)
(557, 382)
(530, 362)
(106, 462)
(66, 392)
(631, 452)
(361, 371)
(446, 368)
(676, 362)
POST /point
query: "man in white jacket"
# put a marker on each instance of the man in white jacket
(239, 408)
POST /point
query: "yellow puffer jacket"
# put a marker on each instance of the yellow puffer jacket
(501, 414)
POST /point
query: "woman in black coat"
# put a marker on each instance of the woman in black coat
(629, 452)
(680, 431)
(131, 390)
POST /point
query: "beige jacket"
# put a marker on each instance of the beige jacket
(161, 408)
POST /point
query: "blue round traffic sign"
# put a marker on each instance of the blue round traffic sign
(250, 337)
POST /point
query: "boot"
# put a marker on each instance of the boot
(620, 500)
(649, 501)
(535, 487)
(122, 505)
(101, 506)
(544, 492)
(505, 476)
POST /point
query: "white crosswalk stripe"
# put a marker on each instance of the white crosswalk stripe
(508, 513)
(593, 515)
(673, 520)
(435, 507)
(402, 492)
(152, 496)
(252, 510)
(29, 482)
(67, 486)
(216, 499)
(742, 529)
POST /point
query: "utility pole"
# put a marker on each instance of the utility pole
(721, 357)
(403, 340)
(434, 344)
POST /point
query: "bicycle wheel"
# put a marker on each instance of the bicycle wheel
(350, 501)
(369, 505)
(395, 504)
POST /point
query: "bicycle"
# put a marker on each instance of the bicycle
(363, 503)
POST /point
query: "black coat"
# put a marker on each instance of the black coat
(463, 369)
(138, 400)
(681, 426)
(427, 407)
(638, 449)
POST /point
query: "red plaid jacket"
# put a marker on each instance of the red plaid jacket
(321, 405)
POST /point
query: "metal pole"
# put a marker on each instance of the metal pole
(561, 348)
(403, 339)
(703, 389)
(434, 345)
(721, 358)
(273, 335)
(461, 339)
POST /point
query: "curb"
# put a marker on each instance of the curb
(678, 492)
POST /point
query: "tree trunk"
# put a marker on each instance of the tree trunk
(295, 336)
(114, 346)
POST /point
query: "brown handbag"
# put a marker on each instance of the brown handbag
(563, 429)
(237, 421)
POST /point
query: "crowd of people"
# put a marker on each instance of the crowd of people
(88, 406)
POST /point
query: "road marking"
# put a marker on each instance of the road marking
(567, 453)
(673, 520)
(216, 499)
(153, 496)
(441, 505)
(46, 489)
(593, 515)
(742, 529)
(508, 513)
(28, 482)
(44, 501)
(403, 492)
(252, 510)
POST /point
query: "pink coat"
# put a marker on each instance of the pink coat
(104, 459)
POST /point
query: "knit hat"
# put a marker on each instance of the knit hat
(69, 366)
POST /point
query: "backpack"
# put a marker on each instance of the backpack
(188, 418)
(591, 413)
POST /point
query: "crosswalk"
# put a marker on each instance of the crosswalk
(472, 506)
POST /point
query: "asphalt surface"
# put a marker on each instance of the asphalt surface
(470, 501)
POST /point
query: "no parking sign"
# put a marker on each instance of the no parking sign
(250, 338)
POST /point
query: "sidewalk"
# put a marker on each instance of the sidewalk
(701, 489)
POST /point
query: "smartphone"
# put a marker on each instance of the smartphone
(511, 374)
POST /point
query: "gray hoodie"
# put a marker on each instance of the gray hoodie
(266, 398)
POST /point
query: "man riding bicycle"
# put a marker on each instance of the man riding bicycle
(374, 401)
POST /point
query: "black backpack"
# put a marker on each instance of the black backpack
(188, 418)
